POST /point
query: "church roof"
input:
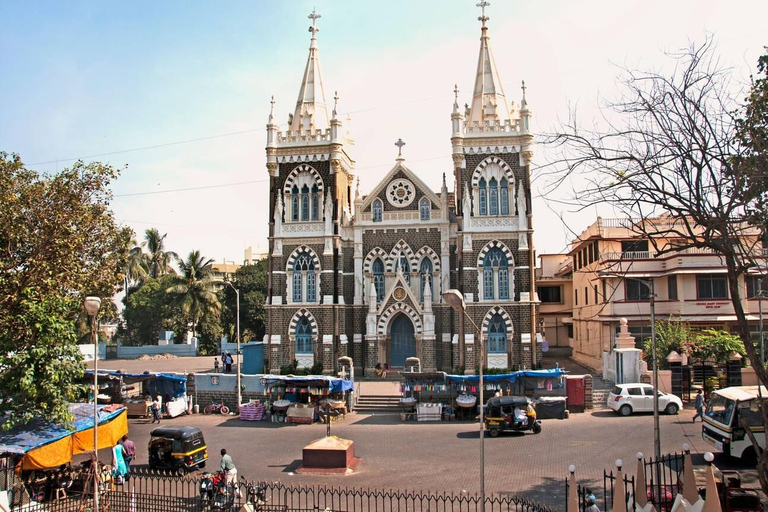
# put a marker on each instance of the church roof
(488, 100)
(311, 110)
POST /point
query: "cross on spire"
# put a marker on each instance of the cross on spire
(399, 145)
(523, 88)
(314, 16)
(483, 18)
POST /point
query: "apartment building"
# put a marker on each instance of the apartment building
(615, 272)
(554, 286)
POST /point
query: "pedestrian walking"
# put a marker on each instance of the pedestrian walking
(155, 408)
(699, 404)
(228, 362)
(229, 469)
(215, 365)
(129, 452)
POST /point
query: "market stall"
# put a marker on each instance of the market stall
(137, 390)
(294, 399)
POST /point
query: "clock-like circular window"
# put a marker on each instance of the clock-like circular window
(399, 293)
(401, 193)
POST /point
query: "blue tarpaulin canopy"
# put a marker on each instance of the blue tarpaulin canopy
(335, 385)
(507, 377)
(164, 383)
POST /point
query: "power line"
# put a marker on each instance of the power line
(203, 187)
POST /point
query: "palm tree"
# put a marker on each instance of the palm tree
(134, 270)
(194, 290)
(157, 261)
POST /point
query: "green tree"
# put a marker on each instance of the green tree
(158, 260)
(148, 311)
(194, 290)
(60, 243)
(672, 334)
(251, 281)
(134, 270)
(715, 345)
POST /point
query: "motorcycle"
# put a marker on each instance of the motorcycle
(216, 406)
(215, 492)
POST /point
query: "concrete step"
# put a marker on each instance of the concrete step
(378, 403)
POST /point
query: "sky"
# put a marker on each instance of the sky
(177, 93)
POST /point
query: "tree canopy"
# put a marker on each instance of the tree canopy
(60, 243)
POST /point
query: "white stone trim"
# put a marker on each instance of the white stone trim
(305, 360)
(327, 339)
(497, 360)
(357, 338)
(343, 340)
(525, 338)
(277, 300)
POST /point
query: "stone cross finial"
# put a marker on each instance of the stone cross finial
(523, 88)
(314, 16)
(483, 18)
(455, 93)
(336, 101)
(272, 110)
(399, 145)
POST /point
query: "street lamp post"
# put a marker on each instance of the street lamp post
(237, 323)
(654, 356)
(454, 299)
(92, 305)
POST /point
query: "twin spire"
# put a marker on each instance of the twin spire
(489, 103)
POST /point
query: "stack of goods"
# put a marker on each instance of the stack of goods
(430, 412)
(252, 411)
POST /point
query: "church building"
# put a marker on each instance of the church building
(363, 275)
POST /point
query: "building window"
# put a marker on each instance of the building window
(550, 294)
(597, 299)
(495, 275)
(402, 263)
(315, 202)
(426, 275)
(482, 197)
(378, 278)
(304, 343)
(756, 284)
(672, 287)
(424, 208)
(295, 204)
(636, 290)
(711, 286)
(376, 209)
(493, 197)
(304, 203)
(504, 196)
(304, 279)
(497, 335)
(586, 297)
(575, 297)
(634, 249)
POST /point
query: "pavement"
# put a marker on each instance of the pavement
(441, 456)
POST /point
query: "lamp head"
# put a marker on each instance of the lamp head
(686, 448)
(639, 455)
(709, 457)
(619, 463)
(572, 468)
(454, 299)
(92, 305)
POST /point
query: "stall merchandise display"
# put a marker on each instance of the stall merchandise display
(419, 387)
(252, 411)
(429, 412)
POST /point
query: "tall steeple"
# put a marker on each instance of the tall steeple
(488, 100)
(311, 112)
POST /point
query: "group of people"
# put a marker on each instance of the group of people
(226, 360)
(122, 455)
(382, 371)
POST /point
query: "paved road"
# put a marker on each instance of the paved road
(444, 456)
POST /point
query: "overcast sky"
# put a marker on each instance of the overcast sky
(179, 92)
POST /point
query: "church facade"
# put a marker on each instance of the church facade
(363, 276)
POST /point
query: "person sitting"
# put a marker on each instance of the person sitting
(378, 369)
(521, 420)
(385, 371)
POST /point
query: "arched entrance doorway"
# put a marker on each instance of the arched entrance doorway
(402, 341)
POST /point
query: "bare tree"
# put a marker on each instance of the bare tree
(668, 160)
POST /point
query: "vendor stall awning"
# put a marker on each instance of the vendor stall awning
(335, 385)
(510, 377)
(41, 444)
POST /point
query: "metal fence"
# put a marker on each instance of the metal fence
(157, 492)
(606, 503)
(664, 479)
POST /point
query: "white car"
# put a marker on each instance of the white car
(628, 398)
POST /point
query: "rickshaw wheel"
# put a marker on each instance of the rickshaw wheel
(201, 465)
(494, 432)
(536, 428)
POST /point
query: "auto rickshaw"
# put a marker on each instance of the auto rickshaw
(177, 448)
(510, 414)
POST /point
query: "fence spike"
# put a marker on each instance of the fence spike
(690, 493)
(641, 495)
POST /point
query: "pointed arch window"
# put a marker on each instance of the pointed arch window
(304, 279)
(295, 203)
(304, 203)
(402, 263)
(425, 272)
(424, 208)
(497, 335)
(376, 210)
(504, 196)
(315, 200)
(493, 197)
(482, 198)
(378, 278)
(304, 343)
(495, 275)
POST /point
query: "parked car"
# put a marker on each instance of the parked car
(635, 397)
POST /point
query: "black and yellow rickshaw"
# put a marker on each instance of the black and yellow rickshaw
(510, 414)
(177, 448)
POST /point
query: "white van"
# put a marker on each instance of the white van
(722, 426)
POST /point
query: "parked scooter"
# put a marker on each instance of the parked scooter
(215, 492)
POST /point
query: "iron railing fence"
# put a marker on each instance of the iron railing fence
(151, 491)
(604, 502)
(663, 478)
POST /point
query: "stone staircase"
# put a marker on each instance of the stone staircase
(600, 391)
(378, 404)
